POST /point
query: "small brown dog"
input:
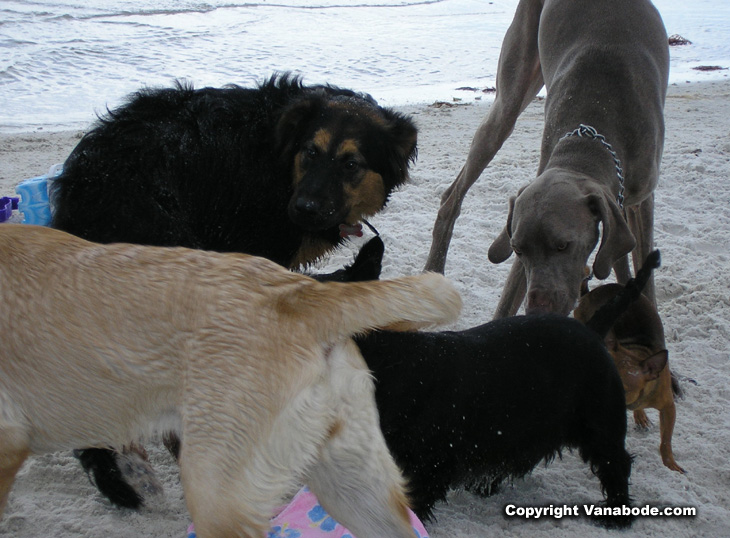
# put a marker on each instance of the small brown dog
(252, 364)
(636, 343)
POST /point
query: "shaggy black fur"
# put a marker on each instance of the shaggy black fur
(234, 169)
(474, 408)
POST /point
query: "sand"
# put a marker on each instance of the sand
(53, 497)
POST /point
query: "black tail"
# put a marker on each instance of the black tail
(606, 316)
(367, 265)
(677, 391)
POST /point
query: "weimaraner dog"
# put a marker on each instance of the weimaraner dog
(605, 67)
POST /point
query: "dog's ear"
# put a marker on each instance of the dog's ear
(617, 239)
(293, 120)
(653, 366)
(501, 248)
(404, 134)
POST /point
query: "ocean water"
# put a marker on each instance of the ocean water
(63, 61)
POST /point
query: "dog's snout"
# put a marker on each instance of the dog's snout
(539, 302)
(307, 206)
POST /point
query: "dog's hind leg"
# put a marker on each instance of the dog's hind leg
(603, 446)
(355, 478)
(519, 78)
(14, 451)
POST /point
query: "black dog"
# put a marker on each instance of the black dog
(280, 171)
(476, 407)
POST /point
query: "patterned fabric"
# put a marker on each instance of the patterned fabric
(304, 517)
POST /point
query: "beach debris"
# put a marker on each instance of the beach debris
(677, 40)
(473, 89)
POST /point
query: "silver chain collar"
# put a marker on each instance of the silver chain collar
(590, 132)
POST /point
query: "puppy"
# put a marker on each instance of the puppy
(252, 364)
(282, 170)
(636, 343)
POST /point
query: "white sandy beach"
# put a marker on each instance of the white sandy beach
(53, 497)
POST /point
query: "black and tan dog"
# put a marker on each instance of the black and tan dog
(251, 363)
(280, 171)
(636, 342)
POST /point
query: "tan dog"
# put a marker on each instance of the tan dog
(252, 364)
(636, 343)
(605, 69)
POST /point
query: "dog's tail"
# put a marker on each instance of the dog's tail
(346, 309)
(606, 316)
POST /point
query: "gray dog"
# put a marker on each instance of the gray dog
(605, 66)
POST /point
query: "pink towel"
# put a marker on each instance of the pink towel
(303, 517)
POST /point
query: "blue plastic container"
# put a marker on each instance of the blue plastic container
(34, 203)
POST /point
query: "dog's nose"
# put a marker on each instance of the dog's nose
(538, 303)
(307, 206)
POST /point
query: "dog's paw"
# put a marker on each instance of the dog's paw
(103, 471)
(641, 420)
(138, 474)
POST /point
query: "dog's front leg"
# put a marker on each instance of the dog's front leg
(641, 223)
(519, 78)
(513, 292)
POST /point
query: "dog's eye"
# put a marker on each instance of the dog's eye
(310, 153)
(562, 246)
(351, 165)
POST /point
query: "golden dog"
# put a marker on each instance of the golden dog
(251, 364)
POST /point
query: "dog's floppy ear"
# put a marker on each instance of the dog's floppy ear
(404, 134)
(501, 248)
(617, 239)
(293, 120)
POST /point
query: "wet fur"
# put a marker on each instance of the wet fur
(251, 363)
(477, 407)
(271, 171)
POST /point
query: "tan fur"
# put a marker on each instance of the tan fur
(636, 343)
(253, 365)
(367, 197)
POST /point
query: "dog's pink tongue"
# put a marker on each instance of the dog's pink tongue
(346, 230)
